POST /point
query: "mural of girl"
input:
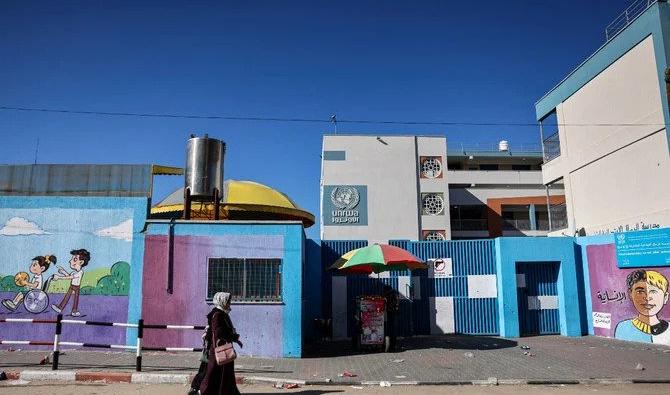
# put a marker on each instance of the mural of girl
(38, 266)
(648, 290)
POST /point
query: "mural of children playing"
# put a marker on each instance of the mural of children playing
(38, 266)
(79, 260)
(648, 290)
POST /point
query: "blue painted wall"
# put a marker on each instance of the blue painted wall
(312, 288)
(509, 251)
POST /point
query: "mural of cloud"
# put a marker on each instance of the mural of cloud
(122, 231)
(19, 226)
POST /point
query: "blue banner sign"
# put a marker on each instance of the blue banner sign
(345, 205)
(644, 248)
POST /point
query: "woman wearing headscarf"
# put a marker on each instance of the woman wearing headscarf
(220, 379)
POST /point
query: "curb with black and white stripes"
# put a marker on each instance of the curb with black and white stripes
(65, 376)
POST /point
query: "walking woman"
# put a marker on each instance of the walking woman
(220, 380)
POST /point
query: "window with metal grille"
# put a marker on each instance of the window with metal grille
(432, 203)
(247, 280)
(431, 167)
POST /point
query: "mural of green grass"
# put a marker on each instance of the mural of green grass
(112, 281)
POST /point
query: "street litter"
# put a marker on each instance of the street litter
(400, 377)
(639, 366)
(356, 387)
(398, 360)
(469, 355)
(3, 376)
(347, 374)
(384, 384)
(530, 354)
(525, 347)
(288, 386)
(45, 360)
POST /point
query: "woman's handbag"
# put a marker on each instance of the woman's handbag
(225, 354)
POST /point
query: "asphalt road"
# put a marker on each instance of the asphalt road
(119, 389)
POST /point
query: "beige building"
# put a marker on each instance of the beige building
(604, 130)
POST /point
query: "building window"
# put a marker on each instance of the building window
(434, 235)
(488, 166)
(432, 203)
(521, 167)
(248, 280)
(431, 167)
(469, 217)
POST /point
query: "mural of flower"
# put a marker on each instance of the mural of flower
(19, 226)
(122, 231)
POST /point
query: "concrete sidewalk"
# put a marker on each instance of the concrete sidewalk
(423, 360)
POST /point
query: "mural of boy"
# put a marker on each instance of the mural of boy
(39, 265)
(648, 290)
(79, 260)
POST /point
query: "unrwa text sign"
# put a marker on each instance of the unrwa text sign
(345, 205)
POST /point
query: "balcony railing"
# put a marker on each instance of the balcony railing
(469, 224)
(516, 224)
(626, 17)
(552, 147)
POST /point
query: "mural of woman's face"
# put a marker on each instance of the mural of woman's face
(648, 299)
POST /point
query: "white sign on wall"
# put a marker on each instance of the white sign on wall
(602, 320)
(440, 268)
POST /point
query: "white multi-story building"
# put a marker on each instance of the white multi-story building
(381, 188)
(604, 128)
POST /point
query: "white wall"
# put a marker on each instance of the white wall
(389, 169)
(615, 174)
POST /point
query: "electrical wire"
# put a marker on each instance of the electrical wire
(331, 120)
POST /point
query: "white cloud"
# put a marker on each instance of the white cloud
(19, 226)
(122, 231)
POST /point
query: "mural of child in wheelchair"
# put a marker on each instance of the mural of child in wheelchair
(35, 298)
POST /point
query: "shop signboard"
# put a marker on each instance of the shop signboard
(643, 248)
(372, 320)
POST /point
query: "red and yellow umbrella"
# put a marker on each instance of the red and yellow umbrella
(377, 258)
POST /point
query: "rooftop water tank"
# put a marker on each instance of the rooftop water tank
(503, 146)
(204, 167)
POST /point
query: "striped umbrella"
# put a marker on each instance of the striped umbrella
(377, 258)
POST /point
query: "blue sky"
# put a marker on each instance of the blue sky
(477, 61)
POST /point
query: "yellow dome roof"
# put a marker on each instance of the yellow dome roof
(241, 200)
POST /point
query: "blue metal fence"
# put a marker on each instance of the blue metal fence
(477, 316)
(540, 280)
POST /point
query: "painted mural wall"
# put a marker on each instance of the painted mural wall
(627, 304)
(270, 329)
(70, 260)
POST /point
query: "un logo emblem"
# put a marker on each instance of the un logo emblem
(344, 198)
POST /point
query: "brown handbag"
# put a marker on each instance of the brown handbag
(225, 354)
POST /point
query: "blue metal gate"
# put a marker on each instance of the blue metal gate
(537, 295)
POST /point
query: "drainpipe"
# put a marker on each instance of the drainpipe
(170, 260)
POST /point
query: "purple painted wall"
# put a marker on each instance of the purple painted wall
(610, 299)
(260, 325)
(116, 310)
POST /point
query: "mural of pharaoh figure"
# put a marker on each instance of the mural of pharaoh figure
(648, 290)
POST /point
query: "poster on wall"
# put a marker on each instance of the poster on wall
(643, 248)
(440, 268)
(372, 320)
(628, 303)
